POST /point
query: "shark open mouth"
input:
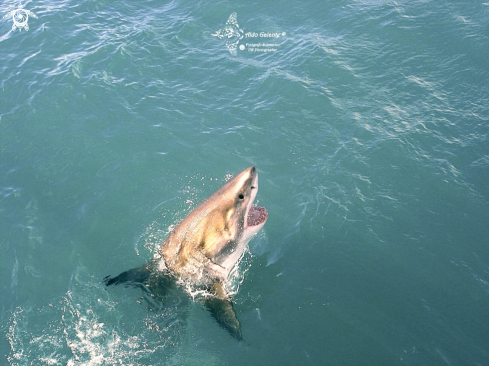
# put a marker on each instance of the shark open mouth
(256, 216)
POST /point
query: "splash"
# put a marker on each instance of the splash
(85, 327)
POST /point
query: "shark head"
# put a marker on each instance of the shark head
(243, 219)
(211, 239)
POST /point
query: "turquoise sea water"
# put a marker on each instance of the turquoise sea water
(368, 122)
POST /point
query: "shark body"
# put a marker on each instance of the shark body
(206, 245)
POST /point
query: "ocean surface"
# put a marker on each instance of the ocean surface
(368, 122)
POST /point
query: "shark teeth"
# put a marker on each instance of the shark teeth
(256, 215)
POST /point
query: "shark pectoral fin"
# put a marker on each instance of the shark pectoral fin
(221, 309)
(135, 276)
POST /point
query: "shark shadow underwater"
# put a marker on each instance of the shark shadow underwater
(205, 246)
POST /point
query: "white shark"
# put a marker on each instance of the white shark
(206, 245)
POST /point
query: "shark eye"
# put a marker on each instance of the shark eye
(241, 197)
(253, 187)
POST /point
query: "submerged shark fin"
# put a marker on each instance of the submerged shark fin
(149, 278)
(136, 276)
(222, 311)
